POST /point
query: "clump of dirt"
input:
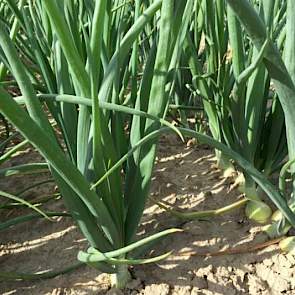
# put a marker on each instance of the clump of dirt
(186, 178)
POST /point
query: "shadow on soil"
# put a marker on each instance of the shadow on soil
(184, 178)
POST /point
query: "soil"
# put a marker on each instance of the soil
(186, 178)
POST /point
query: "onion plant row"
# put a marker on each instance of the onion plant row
(97, 81)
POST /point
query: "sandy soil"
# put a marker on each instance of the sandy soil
(186, 178)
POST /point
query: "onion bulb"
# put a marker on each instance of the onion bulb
(277, 216)
(288, 245)
(258, 211)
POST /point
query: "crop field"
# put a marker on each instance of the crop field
(147, 147)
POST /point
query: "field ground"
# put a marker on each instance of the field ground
(184, 177)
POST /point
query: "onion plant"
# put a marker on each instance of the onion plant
(89, 50)
(228, 74)
(282, 74)
(97, 79)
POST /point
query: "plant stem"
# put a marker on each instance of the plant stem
(121, 278)
(250, 189)
(206, 213)
(224, 163)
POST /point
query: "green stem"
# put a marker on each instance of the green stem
(25, 169)
(282, 178)
(25, 218)
(37, 202)
(12, 151)
(18, 276)
(250, 189)
(12, 35)
(121, 278)
(224, 163)
(206, 213)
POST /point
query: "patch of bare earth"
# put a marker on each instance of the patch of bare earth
(186, 178)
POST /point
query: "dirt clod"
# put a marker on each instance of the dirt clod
(161, 289)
